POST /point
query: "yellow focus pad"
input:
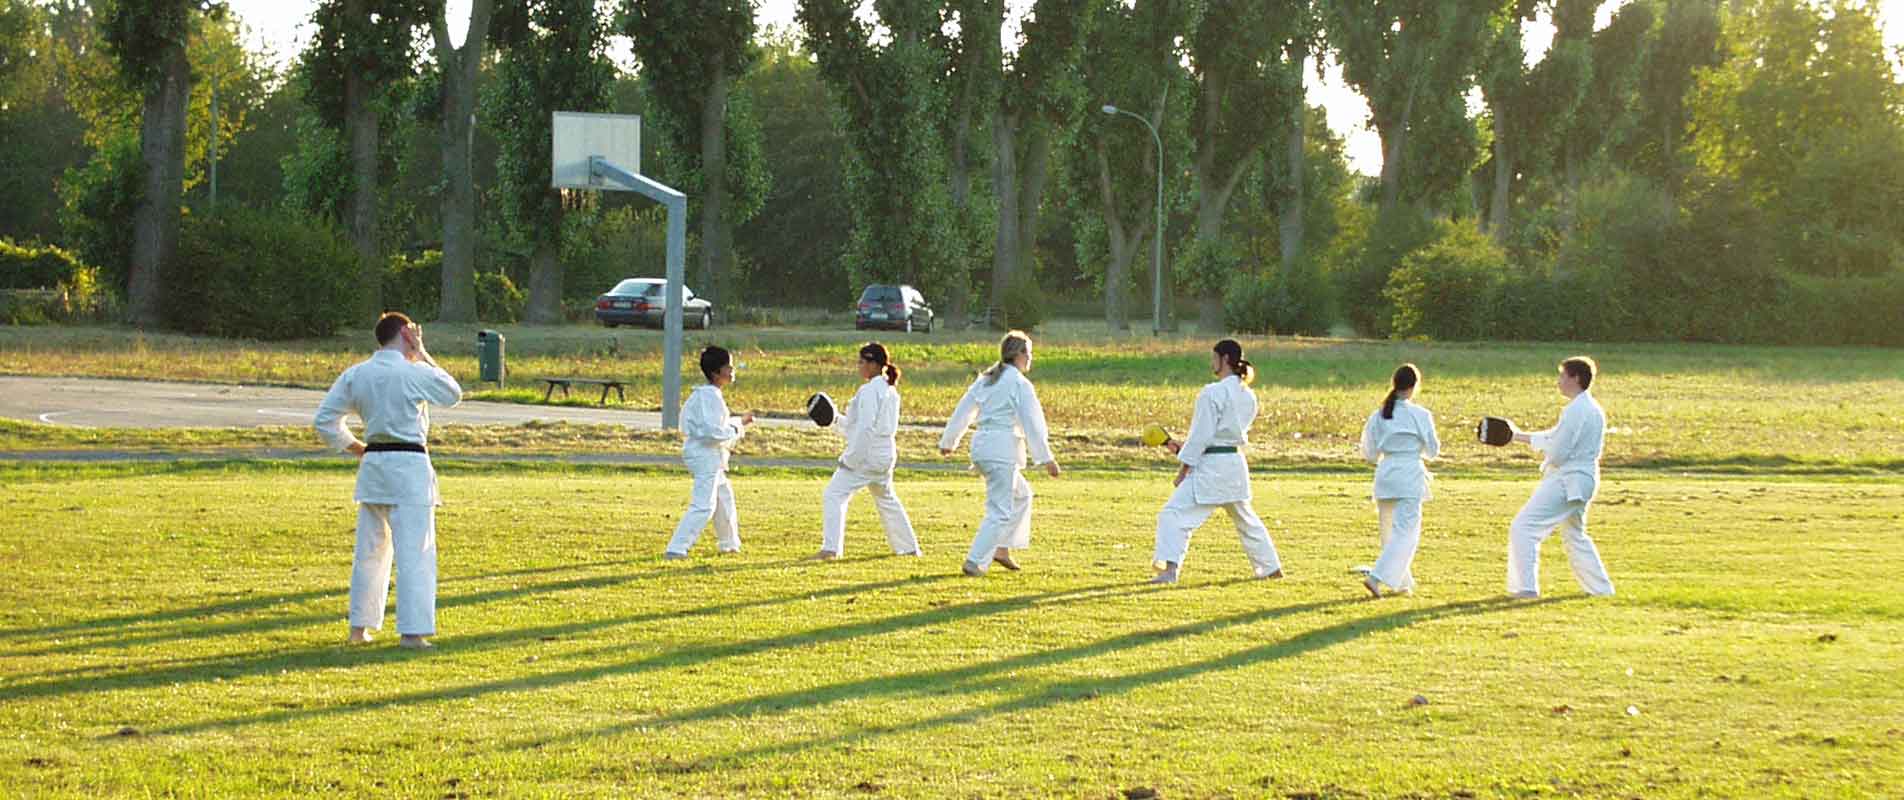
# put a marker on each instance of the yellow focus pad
(1154, 436)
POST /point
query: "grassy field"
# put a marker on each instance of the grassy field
(1690, 407)
(175, 630)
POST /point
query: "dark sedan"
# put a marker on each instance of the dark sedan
(641, 301)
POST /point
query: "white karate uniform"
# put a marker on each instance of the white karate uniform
(1009, 419)
(396, 491)
(1570, 474)
(1397, 448)
(870, 424)
(710, 436)
(1224, 411)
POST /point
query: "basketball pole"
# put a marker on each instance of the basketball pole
(677, 205)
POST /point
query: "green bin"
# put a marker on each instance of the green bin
(489, 357)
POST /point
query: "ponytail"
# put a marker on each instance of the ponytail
(876, 353)
(1232, 354)
(892, 375)
(1245, 371)
(1406, 377)
(1015, 344)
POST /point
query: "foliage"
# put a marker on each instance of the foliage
(97, 200)
(43, 283)
(1204, 265)
(1449, 289)
(373, 39)
(497, 298)
(603, 248)
(1023, 303)
(317, 176)
(33, 266)
(412, 284)
(1365, 274)
(552, 60)
(1286, 301)
(791, 251)
(261, 274)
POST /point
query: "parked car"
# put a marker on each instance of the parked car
(642, 301)
(893, 307)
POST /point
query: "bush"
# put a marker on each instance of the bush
(1023, 302)
(1836, 311)
(36, 266)
(1451, 289)
(46, 284)
(498, 299)
(1293, 301)
(267, 275)
(1363, 283)
(413, 284)
(97, 202)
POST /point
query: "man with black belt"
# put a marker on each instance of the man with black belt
(396, 486)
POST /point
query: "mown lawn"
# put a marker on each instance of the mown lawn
(176, 629)
(1693, 407)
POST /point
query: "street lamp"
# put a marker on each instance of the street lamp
(1157, 256)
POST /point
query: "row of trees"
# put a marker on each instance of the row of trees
(909, 140)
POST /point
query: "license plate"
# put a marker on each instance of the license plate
(624, 305)
(876, 315)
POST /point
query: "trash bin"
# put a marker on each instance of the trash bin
(489, 357)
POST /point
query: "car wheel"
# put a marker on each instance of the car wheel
(609, 324)
(707, 320)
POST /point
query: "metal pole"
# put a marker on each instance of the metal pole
(213, 155)
(1157, 254)
(677, 205)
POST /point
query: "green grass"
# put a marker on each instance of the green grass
(201, 606)
(1685, 407)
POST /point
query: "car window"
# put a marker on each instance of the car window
(653, 289)
(627, 287)
(880, 294)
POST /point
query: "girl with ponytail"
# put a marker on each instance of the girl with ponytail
(1214, 474)
(1005, 408)
(1398, 437)
(870, 424)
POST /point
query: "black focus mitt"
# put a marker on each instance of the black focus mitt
(1495, 431)
(820, 409)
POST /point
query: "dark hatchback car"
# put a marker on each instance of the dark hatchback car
(899, 308)
(641, 301)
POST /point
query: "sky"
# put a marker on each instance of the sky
(283, 26)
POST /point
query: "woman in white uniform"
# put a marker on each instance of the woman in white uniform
(1005, 408)
(1214, 474)
(1396, 439)
(870, 425)
(711, 434)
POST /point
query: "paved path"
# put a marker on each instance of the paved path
(105, 403)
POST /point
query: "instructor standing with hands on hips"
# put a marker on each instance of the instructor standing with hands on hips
(396, 485)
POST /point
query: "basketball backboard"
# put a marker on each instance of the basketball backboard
(616, 138)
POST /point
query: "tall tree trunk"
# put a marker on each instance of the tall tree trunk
(714, 278)
(1290, 231)
(462, 68)
(1393, 129)
(1501, 201)
(1117, 273)
(155, 221)
(1005, 190)
(545, 282)
(1033, 169)
(361, 128)
(958, 280)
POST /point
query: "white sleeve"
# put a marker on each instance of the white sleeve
(1431, 441)
(706, 418)
(887, 425)
(862, 420)
(1369, 451)
(330, 415)
(436, 387)
(1031, 417)
(1202, 427)
(962, 418)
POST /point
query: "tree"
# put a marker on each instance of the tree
(40, 135)
(1806, 116)
(147, 40)
(359, 50)
(797, 239)
(1686, 41)
(1401, 54)
(970, 84)
(1606, 111)
(691, 53)
(553, 60)
(1529, 105)
(461, 70)
(893, 101)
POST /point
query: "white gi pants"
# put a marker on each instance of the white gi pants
(407, 535)
(1400, 520)
(1183, 515)
(1547, 509)
(1007, 521)
(892, 515)
(712, 499)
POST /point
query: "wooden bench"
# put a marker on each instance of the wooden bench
(565, 383)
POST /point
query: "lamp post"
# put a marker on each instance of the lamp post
(1157, 254)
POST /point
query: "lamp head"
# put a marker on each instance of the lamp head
(1109, 109)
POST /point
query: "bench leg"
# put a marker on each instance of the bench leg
(604, 400)
(547, 392)
(621, 395)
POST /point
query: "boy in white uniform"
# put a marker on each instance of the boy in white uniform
(396, 485)
(1005, 408)
(1214, 473)
(1396, 439)
(871, 424)
(710, 433)
(1570, 475)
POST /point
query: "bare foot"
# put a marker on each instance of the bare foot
(673, 556)
(358, 636)
(1166, 577)
(1004, 559)
(824, 555)
(414, 643)
(972, 570)
(1263, 576)
(1373, 590)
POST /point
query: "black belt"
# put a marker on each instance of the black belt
(395, 447)
(1220, 449)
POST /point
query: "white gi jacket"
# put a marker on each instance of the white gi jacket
(392, 395)
(1397, 447)
(1009, 419)
(1225, 409)
(1573, 447)
(870, 424)
(711, 432)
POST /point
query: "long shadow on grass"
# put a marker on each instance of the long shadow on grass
(220, 667)
(685, 657)
(295, 621)
(945, 681)
(1091, 688)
